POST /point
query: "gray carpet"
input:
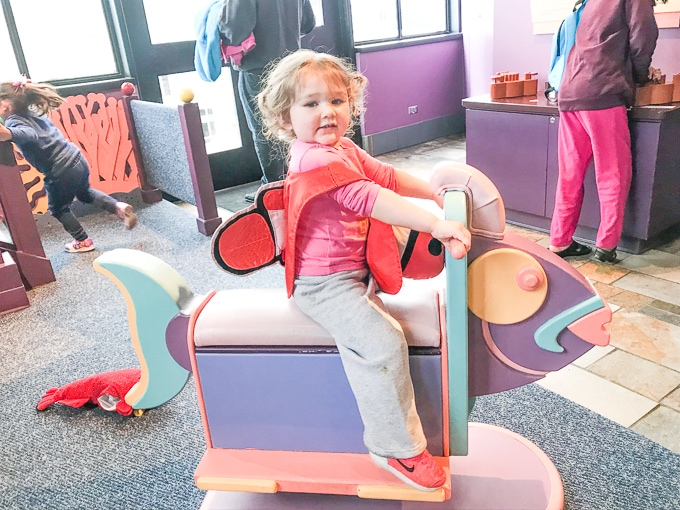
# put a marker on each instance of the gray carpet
(67, 458)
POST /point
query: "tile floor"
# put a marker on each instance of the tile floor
(635, 381)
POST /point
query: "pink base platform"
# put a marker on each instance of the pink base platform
(503, 471)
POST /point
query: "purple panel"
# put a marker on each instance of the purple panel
(9, 272)
(301, 402)
(176, 340)
(652, 203)
(566, 288)
(511, 149)
(431, 76)
(667, 177)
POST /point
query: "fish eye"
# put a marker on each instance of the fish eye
(521, 278)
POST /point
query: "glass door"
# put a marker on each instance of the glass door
(162, 42)
(333, 32)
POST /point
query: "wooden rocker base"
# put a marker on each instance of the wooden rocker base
(503, 470)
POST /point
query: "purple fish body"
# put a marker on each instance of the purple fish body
(506, 356)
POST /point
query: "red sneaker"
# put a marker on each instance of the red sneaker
(421, 471)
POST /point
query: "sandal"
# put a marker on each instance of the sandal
(574, 250)
(605, 256)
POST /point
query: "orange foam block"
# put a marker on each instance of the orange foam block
(350, 474)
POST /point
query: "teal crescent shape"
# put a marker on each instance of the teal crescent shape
(546, 335)
(154, 294)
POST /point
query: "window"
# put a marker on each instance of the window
(317, 7)
(167, 19)
(394, 20)
(172, 20)
(217, 103)
(75, 45)
(8, 67)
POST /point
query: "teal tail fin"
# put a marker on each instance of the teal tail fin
(154, 293)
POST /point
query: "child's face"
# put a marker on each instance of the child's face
(5, 108)
(320, 113)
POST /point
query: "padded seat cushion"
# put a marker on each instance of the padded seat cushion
(266, 317)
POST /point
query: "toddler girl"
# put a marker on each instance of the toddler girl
(332, 192)
(23, 108)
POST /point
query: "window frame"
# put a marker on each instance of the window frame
(91, 83)
(120, 40)
(453, 14)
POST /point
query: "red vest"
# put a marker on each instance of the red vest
(382, 253)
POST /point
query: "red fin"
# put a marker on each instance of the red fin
(47, 399)
(382, 254)
(254, 237)
(423, 256)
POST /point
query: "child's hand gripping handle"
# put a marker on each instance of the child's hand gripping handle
(486, 213)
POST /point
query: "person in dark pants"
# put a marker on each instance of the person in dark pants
(24, 107)
(277, 26)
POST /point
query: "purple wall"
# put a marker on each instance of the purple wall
(431, 76)
(499, 37)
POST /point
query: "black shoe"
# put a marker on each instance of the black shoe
(250, 197)
(605, 256)
(574, 250)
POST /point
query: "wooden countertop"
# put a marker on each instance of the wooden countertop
(539, 105)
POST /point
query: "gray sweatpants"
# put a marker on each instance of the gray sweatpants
(374, 354)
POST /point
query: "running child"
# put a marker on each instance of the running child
(23, 108)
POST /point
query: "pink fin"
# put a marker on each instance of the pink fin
(592, 327)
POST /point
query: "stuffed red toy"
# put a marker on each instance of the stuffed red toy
(107, 390)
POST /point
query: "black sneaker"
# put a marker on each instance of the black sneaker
(250, 197)
(605, 256)
(574, 250)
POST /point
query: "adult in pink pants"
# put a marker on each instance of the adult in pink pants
(614, 45)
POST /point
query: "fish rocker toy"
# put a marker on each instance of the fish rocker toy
(277, 411)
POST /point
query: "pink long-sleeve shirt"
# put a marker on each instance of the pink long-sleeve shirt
(333, 227)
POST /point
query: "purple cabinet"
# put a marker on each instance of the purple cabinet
(514, 142)
(512, 149)
(287, 399)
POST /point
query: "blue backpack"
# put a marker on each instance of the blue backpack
(562, 42)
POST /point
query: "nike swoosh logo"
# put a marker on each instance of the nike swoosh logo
(409, 469)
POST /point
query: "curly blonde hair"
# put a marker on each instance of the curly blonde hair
(283, 79)
(25, 95)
